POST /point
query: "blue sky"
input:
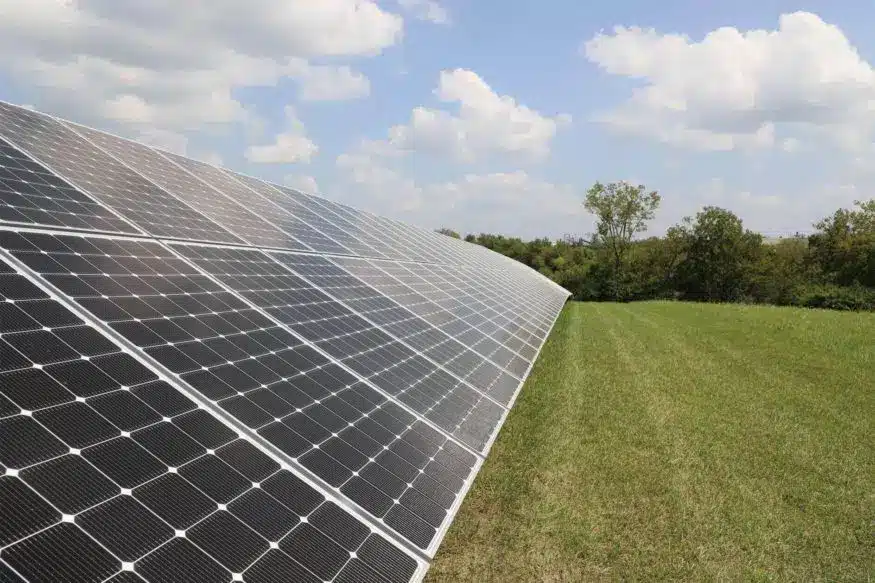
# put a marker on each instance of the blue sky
(479, 115)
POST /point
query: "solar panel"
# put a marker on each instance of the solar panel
(352, 223)
(435, 314)
(298, 205)
(207, 377)
(371, 231)
(347, 333)
(31, 194)
(161, 169)
(105, 179)
(109, 470)
(306, 226)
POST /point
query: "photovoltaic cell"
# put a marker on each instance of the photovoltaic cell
(374, 451)
(92, 171)
(354, 224)
(444, 347)
(31, 194)
(161, 169)
(455, 406)
(245, 409)
(262, 376)
(395, 368)
(327, 222)
(166, 493)
(373, 231)
(298, 206)
(485, 369)
(248, 196)
(305, 226)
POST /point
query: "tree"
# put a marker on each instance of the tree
(783, 267)
(449, 233)
(622, 211)
(844, 247)
(719, 256)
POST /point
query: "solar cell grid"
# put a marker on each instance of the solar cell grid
(105, 179)
(126, 475)
(31, 194)
(302, 224)
(256, 277)
(161, 169)
(416, 333)
(497, 382)
(443, 348)
(441, 248)
(239, 413)
(247, 195)
(257, 372)
(397, 249)
(478, 301)
(518, 293)
(356, 224)
(407, 239)
(433, 392)
(536, 319)
(302, 206)
(399, 371)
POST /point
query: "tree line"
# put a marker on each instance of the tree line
(709, 257)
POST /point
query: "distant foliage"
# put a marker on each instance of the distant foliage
(711, 258)
(834, 297)
(449, 233)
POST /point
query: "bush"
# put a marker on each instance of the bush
(834, 297)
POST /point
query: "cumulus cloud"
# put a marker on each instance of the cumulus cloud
(153, 65)
(741, 89)
(513, 202)
(486, 127)
(288, 147)
(327, 83)
(213, 158)
(426, 10)
(486, 123)
(302, 182)
(371, 176)
(509, 202)
(170, 141)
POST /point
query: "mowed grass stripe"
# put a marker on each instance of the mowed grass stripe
(666, 441)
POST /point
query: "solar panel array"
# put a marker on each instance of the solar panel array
(208, 377)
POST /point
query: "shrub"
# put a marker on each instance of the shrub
(834, 297)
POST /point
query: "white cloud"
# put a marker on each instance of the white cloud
(426, 10)
(170, 141)
(302, 182)
(213, 158)
(288, 147)
(328, 83)
(742, 89)
(513, 203)
(371, 176)
(487, 127)
(486, 124)
(152, 65)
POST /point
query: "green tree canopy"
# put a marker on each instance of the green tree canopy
(449, 233)
(718, 254)
(622, 210)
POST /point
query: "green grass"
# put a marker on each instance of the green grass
(669, 441)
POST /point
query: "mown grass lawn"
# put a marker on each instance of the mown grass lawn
(669, 441)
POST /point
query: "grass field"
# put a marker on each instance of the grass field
(668, 441)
